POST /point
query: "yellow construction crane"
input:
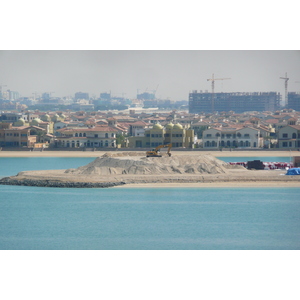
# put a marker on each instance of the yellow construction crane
(286, 79)
(213, 90)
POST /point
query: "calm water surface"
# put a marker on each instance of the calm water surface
(143, 218)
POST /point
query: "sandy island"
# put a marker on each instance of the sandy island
(183, 169)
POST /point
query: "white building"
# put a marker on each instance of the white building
(96, 137)
(246, 137)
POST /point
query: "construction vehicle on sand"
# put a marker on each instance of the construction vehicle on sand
(156, 152)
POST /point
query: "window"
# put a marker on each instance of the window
(285, 135)
(284, 144)
(96, 135)
(208, 135)
(294, 135)
(246, 135)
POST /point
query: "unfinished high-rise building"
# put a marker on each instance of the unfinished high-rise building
(294, 101)
(200, 102)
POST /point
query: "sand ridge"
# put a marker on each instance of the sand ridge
(110, 164)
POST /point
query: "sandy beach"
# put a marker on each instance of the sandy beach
(225, 153)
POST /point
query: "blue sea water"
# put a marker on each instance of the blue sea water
(35, 218)
(12, 165)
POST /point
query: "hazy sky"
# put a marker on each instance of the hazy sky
(174, 72)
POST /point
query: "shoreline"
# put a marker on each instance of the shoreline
(240, 184)
(225, 153)
(234, 179)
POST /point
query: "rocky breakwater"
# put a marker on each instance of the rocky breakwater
(59, 184)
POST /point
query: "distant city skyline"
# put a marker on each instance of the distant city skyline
(172, 73)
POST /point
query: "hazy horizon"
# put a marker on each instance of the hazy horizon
(174, 73)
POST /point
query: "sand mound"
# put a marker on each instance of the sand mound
(185, 164)
(122, 154)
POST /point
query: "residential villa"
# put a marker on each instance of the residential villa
(22, 136)
(289, 136)
(175, 134)
(244, 137)
(89, 137)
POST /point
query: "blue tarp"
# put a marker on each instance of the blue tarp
(293, 171)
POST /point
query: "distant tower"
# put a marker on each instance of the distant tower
(286, 79)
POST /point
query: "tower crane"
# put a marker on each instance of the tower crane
(286, 79)
(213, 89)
